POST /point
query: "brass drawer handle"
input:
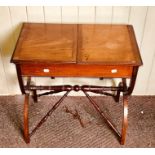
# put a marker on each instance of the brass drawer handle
(45, 70)
(114, 71)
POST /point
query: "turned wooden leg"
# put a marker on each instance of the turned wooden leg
(35, 98)
(125, 119)
(26, 119)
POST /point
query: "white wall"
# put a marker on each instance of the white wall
(142, 18)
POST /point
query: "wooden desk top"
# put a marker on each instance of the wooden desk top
(77, 43)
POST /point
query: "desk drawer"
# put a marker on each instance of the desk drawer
(74, 70)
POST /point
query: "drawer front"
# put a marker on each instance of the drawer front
(75, 70)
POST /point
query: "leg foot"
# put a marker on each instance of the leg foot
(26, 123)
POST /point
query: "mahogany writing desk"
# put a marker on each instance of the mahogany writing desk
(77, 50)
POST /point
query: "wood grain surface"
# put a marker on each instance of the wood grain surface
(46, 42)
(77, 43)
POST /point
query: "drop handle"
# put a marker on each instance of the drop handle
(46, 70)
(114, 71)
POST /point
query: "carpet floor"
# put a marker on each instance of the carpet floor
(75, 124)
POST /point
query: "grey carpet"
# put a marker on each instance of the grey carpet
(63, 129)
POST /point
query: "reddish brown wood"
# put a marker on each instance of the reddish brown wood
(125, 119)
(46, 43)
(77, 50)
(83, 43)
(74, 70)
(134, 46)
(26, 119)
(108, 44)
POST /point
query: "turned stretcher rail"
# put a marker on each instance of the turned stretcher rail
(75, 88)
